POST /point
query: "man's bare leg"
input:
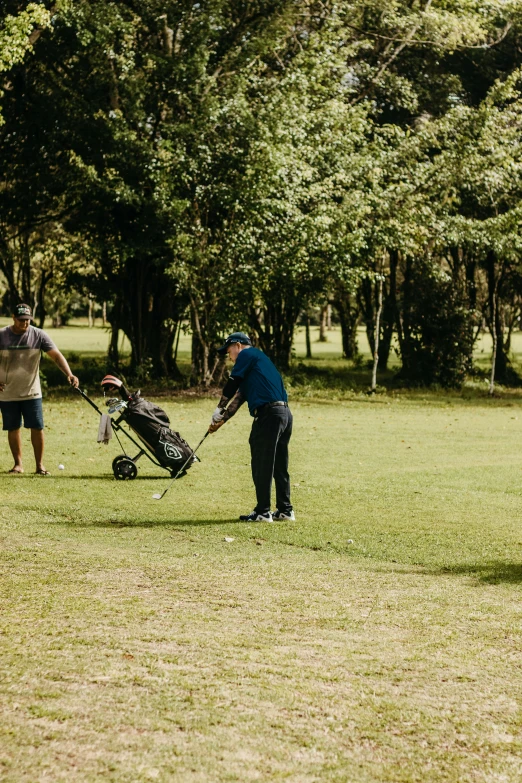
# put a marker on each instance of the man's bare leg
(37, 439)
(15, 444)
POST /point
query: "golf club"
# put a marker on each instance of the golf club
(158, 496)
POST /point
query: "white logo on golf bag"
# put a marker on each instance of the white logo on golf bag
(172, 452)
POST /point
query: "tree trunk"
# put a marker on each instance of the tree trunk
(90, 316)
(403, 320)
(367, 296)
(147, 309)
(512, 323)
(176, 342)
(40, 299)
(200, 347)
(308, 340)
(388, 312)
(25, 267)
(501, 369)
(455, 258)
(348, 312)
(366, 303)
(377, 334)
(114, 353)
(471, 284)
(171, 353)
(7, 267)
(329, 326)
(323, 324)
(57, 317)
(494, 335)
(206, 362)
(274, 325)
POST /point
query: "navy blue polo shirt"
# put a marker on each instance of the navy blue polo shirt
(260, 382)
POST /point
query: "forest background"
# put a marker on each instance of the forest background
(223, 164)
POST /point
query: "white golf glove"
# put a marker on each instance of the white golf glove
(217, 416)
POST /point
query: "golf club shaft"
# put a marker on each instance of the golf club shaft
(184, 465)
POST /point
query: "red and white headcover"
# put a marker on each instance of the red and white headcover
(111, 380)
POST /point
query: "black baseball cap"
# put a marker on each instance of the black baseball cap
(23, 312)
(235, 337)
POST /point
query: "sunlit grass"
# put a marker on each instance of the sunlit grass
(377, 638)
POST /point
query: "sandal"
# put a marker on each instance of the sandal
(42, 472)
(15, 472)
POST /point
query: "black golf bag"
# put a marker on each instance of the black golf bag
(151, 425)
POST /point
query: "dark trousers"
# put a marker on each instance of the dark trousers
(271, 432)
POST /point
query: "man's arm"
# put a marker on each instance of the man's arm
(226, 409)
(230, 396)
(233, 406)
(229, 389)
(61, 362)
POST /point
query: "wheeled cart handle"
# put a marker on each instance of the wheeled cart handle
(85, 397)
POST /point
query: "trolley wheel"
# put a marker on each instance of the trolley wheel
(118, 459)
(124, 469)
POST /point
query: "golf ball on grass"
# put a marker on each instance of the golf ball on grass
(157, 497)
(61, 467)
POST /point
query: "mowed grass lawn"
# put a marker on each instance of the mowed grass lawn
(377, 638)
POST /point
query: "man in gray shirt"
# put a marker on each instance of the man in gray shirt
(20, 392)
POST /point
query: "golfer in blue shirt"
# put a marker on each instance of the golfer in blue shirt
(255, 379)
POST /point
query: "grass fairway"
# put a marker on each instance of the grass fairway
(137, 644)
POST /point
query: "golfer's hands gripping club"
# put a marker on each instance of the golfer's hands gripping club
(216, 421)
(74, 381)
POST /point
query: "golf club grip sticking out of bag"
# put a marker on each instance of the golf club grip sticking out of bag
(159, 497)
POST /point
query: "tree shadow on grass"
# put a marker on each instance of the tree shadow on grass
(84, 477)
(146, 522)
(493, 572)
(110, 477)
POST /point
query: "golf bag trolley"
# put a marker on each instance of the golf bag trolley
(161, 445)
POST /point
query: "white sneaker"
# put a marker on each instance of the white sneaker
(279, 516)
(255, 517)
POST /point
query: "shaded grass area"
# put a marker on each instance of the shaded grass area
(377, 638)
